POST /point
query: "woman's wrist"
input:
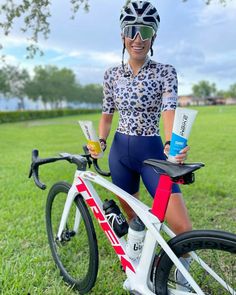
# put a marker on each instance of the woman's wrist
(103, 143)
(167, 143)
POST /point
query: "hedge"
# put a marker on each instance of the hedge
(16, 116)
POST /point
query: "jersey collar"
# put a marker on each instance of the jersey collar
(146, 64)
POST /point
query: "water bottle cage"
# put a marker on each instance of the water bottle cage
(185, 179)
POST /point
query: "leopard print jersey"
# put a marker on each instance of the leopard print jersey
(140, 99)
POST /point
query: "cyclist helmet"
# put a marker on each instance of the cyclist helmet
(139, 12)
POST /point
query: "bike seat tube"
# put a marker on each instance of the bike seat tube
(162, 196)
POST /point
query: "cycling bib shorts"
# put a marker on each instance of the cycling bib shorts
(126, 162)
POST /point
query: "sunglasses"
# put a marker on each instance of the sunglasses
(145, 32)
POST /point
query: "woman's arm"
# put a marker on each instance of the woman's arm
(105, 125)
(168, 121)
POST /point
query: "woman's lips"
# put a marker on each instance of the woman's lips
(137, 48)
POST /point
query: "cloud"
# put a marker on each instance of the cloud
(199, 40)
(182, 55)
(105, 57)
(13, 40)
(87, 75)
(220, 66)
(216, 14)
(9, 59)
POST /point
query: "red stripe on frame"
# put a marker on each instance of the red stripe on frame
(162, 196)
(82, 187)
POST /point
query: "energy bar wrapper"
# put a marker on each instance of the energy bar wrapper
(91, 136)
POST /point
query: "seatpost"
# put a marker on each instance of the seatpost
(162, 196)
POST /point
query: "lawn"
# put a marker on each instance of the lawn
(26, 263)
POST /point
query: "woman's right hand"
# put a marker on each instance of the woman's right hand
(92, 151)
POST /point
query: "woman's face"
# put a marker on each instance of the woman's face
(137, 48)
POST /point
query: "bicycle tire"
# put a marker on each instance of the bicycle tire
(76, 255)
(216, 248)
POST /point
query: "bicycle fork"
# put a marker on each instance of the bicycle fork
(69, 201)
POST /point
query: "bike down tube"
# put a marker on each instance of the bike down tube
(85, 188)
(137, 277)
(95, 204)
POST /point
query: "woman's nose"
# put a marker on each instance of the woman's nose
(138, 38)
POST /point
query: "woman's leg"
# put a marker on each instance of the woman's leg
(179, 221)
(177, 215)
(127, 209)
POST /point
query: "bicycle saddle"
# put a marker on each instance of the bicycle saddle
(172, 169)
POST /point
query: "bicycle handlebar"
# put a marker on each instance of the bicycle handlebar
(80, 160)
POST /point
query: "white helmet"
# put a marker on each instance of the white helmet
(139, 12)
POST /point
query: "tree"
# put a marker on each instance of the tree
(15, 84)
(36, 15)
(91, 93)
(4, 86)
(52, 85)
(204, 89)
(232, 91)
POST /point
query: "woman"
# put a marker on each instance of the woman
(142, 91)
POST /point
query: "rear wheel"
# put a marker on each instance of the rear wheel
(217, 249)
(76, 255)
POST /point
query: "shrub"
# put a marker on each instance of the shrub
(17, 116)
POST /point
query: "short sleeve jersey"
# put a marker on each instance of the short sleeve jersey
(140, 99)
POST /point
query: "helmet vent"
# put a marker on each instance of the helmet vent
(148, 19)
(129, 18)
(142, 12)
(128, 10)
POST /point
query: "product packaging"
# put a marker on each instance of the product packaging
(183, 122)
(91, 136)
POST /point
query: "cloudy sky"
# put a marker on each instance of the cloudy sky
(199, 40)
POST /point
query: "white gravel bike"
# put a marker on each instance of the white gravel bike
(73, 242)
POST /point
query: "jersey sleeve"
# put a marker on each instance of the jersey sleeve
(108, 104)
(170, 89)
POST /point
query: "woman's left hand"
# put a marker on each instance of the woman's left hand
(182, 156)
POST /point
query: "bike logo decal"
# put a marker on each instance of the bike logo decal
(82, 188)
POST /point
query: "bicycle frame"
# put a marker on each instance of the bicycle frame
(138, 274)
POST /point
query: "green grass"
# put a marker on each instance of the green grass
(25, 259)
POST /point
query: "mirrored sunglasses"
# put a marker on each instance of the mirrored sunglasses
(145, 32)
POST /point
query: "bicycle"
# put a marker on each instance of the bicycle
(73, 242)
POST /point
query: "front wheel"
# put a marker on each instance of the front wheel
(76, 254)
(216, 248)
